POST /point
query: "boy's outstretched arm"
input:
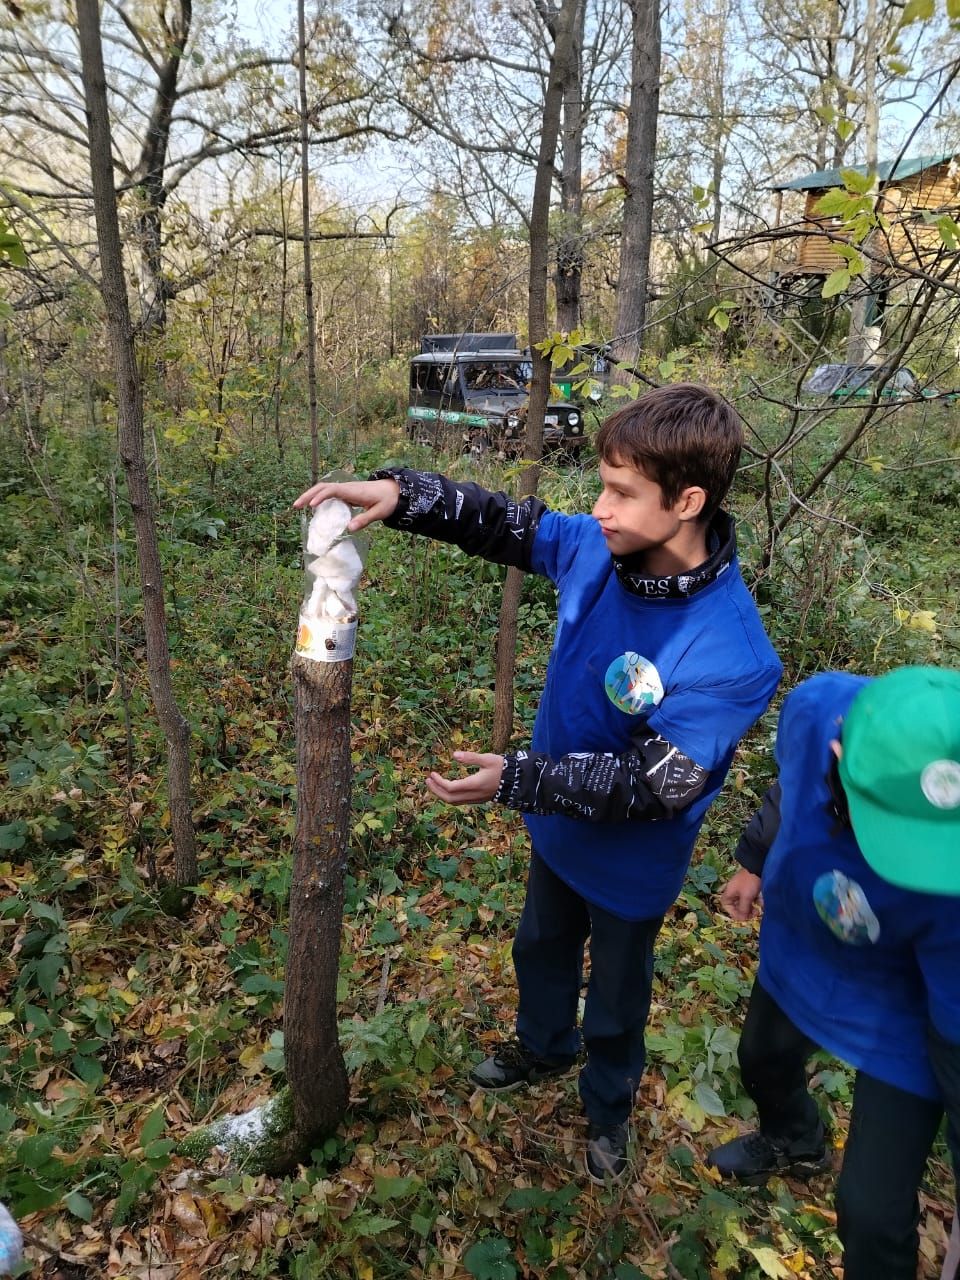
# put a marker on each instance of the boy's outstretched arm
(654, 780)
(739, 895)
(482, 523)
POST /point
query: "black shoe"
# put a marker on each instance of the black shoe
(512, 1066)
(606, 1155)
(755, 1157)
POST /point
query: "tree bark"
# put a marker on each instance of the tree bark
(559, 77)
(864, 302)
(284, 256)
(637, 230)
(314, 1062)
(175, 727)
(309, 304)
(569, 273)
(152, 166)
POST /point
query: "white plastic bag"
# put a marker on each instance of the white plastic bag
(333, 561)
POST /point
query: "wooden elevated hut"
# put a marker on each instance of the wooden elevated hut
(909, 191)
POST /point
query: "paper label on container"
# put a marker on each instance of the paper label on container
(324, 640)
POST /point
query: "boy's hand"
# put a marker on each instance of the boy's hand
(474, 789)
(739, 895)
(378, 498)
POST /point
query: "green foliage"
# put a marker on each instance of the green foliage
(490, 1259)
(125, 1031)
(11, 246)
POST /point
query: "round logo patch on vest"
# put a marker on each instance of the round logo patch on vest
(940, 783)
(633, 684)
(843, 907)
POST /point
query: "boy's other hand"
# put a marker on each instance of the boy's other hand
(474, 789)
(739, 895)
(378, 498)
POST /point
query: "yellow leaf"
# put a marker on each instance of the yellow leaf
(437, 954)
(5, 1017)
(561, 1245)
(796, 1261)
(128, 997)
(770, 1263)
(923, 620)
(364, 1270)
(251, 1058)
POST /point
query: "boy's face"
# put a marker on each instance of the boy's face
(631, 513)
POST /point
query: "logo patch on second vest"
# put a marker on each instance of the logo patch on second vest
(633, 684)
(843, 907)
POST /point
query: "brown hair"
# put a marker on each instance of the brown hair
(678, 435)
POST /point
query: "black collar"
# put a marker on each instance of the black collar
(722, 544)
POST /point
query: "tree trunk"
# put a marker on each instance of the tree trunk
(175, 728)
(309, 305)
(864, 302)
(569, 272)
(559, 77)
(284, 252)
(637, 232)
(152, 165)
(314, 1062)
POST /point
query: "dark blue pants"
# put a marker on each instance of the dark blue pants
(548, 957)
(890, 1136)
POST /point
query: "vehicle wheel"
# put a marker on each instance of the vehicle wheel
(423, 433)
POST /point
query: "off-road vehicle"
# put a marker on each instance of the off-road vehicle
(473, 389)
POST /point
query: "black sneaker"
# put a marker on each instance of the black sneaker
(606, 1154)
(755, 1157)
(514, 1065)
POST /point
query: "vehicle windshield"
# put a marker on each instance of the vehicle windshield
(496, 376)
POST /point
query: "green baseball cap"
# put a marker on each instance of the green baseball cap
(900, 769)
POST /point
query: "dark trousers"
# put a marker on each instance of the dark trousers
(548, 957)
(890, 1136)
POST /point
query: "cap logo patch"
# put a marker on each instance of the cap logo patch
(940, 783)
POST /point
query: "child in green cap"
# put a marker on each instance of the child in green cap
(857, 851)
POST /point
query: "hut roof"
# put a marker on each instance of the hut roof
(887, 171)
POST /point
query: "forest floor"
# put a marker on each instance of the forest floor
(125, 1028)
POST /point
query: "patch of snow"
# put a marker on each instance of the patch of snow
(245, 1129)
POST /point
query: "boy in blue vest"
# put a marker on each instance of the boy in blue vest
(659, 665)
(857, 850)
